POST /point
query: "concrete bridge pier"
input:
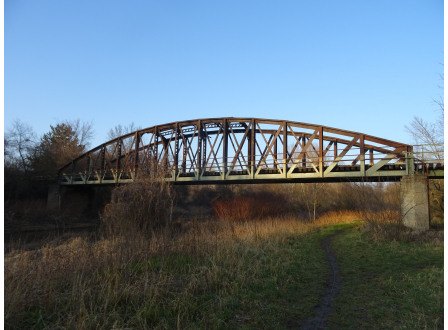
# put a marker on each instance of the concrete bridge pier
(414, 202)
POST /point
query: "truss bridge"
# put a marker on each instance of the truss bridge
(248, 150)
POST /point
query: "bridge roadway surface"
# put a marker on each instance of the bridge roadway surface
(248, 150)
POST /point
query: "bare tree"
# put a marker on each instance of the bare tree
(82, 131)
(20, 140)
(309, 197)
(119, 130)
(429, 134)
(423, 132)
(441, 105)
(440, 101)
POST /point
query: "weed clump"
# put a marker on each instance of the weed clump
(140, 206)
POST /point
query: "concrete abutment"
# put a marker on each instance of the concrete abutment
(414, 202)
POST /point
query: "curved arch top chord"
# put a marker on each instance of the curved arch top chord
(240, 150)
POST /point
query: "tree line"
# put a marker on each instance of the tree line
(30, 161)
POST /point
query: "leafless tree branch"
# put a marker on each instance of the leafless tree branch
(20, 140)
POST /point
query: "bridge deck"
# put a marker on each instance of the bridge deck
(343, 173)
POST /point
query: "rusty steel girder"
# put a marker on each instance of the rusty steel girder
(241, 150)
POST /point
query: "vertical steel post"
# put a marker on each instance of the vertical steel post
(304, 154)
(136, 147)
(156, 145)
(248, 141)
(165, 154)
(275, 166)
(204, 149)
(102, 157)
(199, 158)
(224, 148)
(335, 145)
(184, 155)
(321, 151)
(252, 149)
(285, 150)
(120, 143)
(371, 156)
(117, 160)
(176, 150)
(362, 156)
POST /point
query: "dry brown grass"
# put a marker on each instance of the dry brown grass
(334, 217)
(256, 205)
(143, 272)
(139, 281)
(382, 225)
(144, 205)
(81, 280)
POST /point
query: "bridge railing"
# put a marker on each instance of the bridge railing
(429, 153)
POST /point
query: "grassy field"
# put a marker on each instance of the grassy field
(220, 275)
(388, 285)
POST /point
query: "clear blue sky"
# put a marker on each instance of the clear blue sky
(366, 66)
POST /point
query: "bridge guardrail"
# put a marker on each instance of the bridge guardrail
(429, 153)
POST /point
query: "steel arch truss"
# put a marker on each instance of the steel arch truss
(241, 150)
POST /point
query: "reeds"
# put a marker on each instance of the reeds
(144, 205)
(85, 282)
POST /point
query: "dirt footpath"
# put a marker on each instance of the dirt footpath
(319, 321)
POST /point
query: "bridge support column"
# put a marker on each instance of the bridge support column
(414, 202)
